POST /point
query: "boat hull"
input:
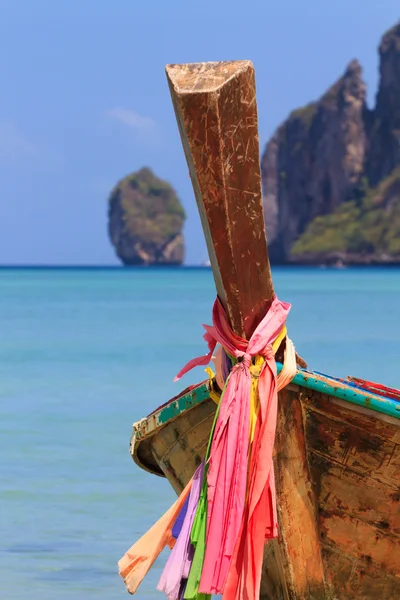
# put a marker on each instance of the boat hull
(337, 469)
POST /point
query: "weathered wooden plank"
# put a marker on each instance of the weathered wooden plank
(216, 110)
(357, 578)
(354, 465)
(180, 446)
(355, 448)
(340, 490)
(358, 539)
(369, 422)
(299, 532)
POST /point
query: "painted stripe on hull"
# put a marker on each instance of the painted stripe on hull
(304, 379)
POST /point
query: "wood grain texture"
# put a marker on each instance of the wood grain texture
(297, 508)
(216, 110)
(354, 463)
(181, 445)
(338, 493)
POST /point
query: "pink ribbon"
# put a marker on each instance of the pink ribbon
(227, 478)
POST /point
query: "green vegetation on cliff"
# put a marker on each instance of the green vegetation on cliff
(151, 207)
(369, 226)
(146, 220)
(331, 172)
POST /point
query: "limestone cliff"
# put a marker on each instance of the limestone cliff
(383, 124)
(146, 220)
(334, 162)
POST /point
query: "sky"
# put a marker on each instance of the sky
(84, 100)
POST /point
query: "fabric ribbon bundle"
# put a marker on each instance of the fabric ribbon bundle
(219, 524)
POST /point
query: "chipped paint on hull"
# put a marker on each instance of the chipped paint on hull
(337, 466)
(187, 400)
(329, 386)
(346, 391)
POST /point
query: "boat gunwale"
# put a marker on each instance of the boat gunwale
(345, 390)
(166, 413)
(194, 395)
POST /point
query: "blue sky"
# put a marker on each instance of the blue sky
(84, 100)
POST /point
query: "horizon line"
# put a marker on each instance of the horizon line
(99, 266)
(197, 266)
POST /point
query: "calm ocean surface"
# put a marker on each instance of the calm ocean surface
(83, 354)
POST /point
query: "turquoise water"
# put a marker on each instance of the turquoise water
(83, 354)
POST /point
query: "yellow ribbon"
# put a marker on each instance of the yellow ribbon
(255, 369)
(214, 395)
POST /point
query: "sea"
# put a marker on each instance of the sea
(86, 352)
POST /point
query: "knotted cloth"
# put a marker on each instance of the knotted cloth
(236, 510)
(241, 486)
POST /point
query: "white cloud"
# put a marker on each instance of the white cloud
(131, 119)
(14, 144)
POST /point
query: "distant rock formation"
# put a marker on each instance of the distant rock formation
(146, 220)
(331, 175)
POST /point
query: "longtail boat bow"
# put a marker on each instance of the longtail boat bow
(337, 441)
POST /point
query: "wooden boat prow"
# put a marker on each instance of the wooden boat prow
(337, 447)
(216, 111)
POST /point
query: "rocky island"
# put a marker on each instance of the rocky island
(146, 220)
(331, 172)
(331, 182)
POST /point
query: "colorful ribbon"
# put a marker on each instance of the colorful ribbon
(234, 512)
